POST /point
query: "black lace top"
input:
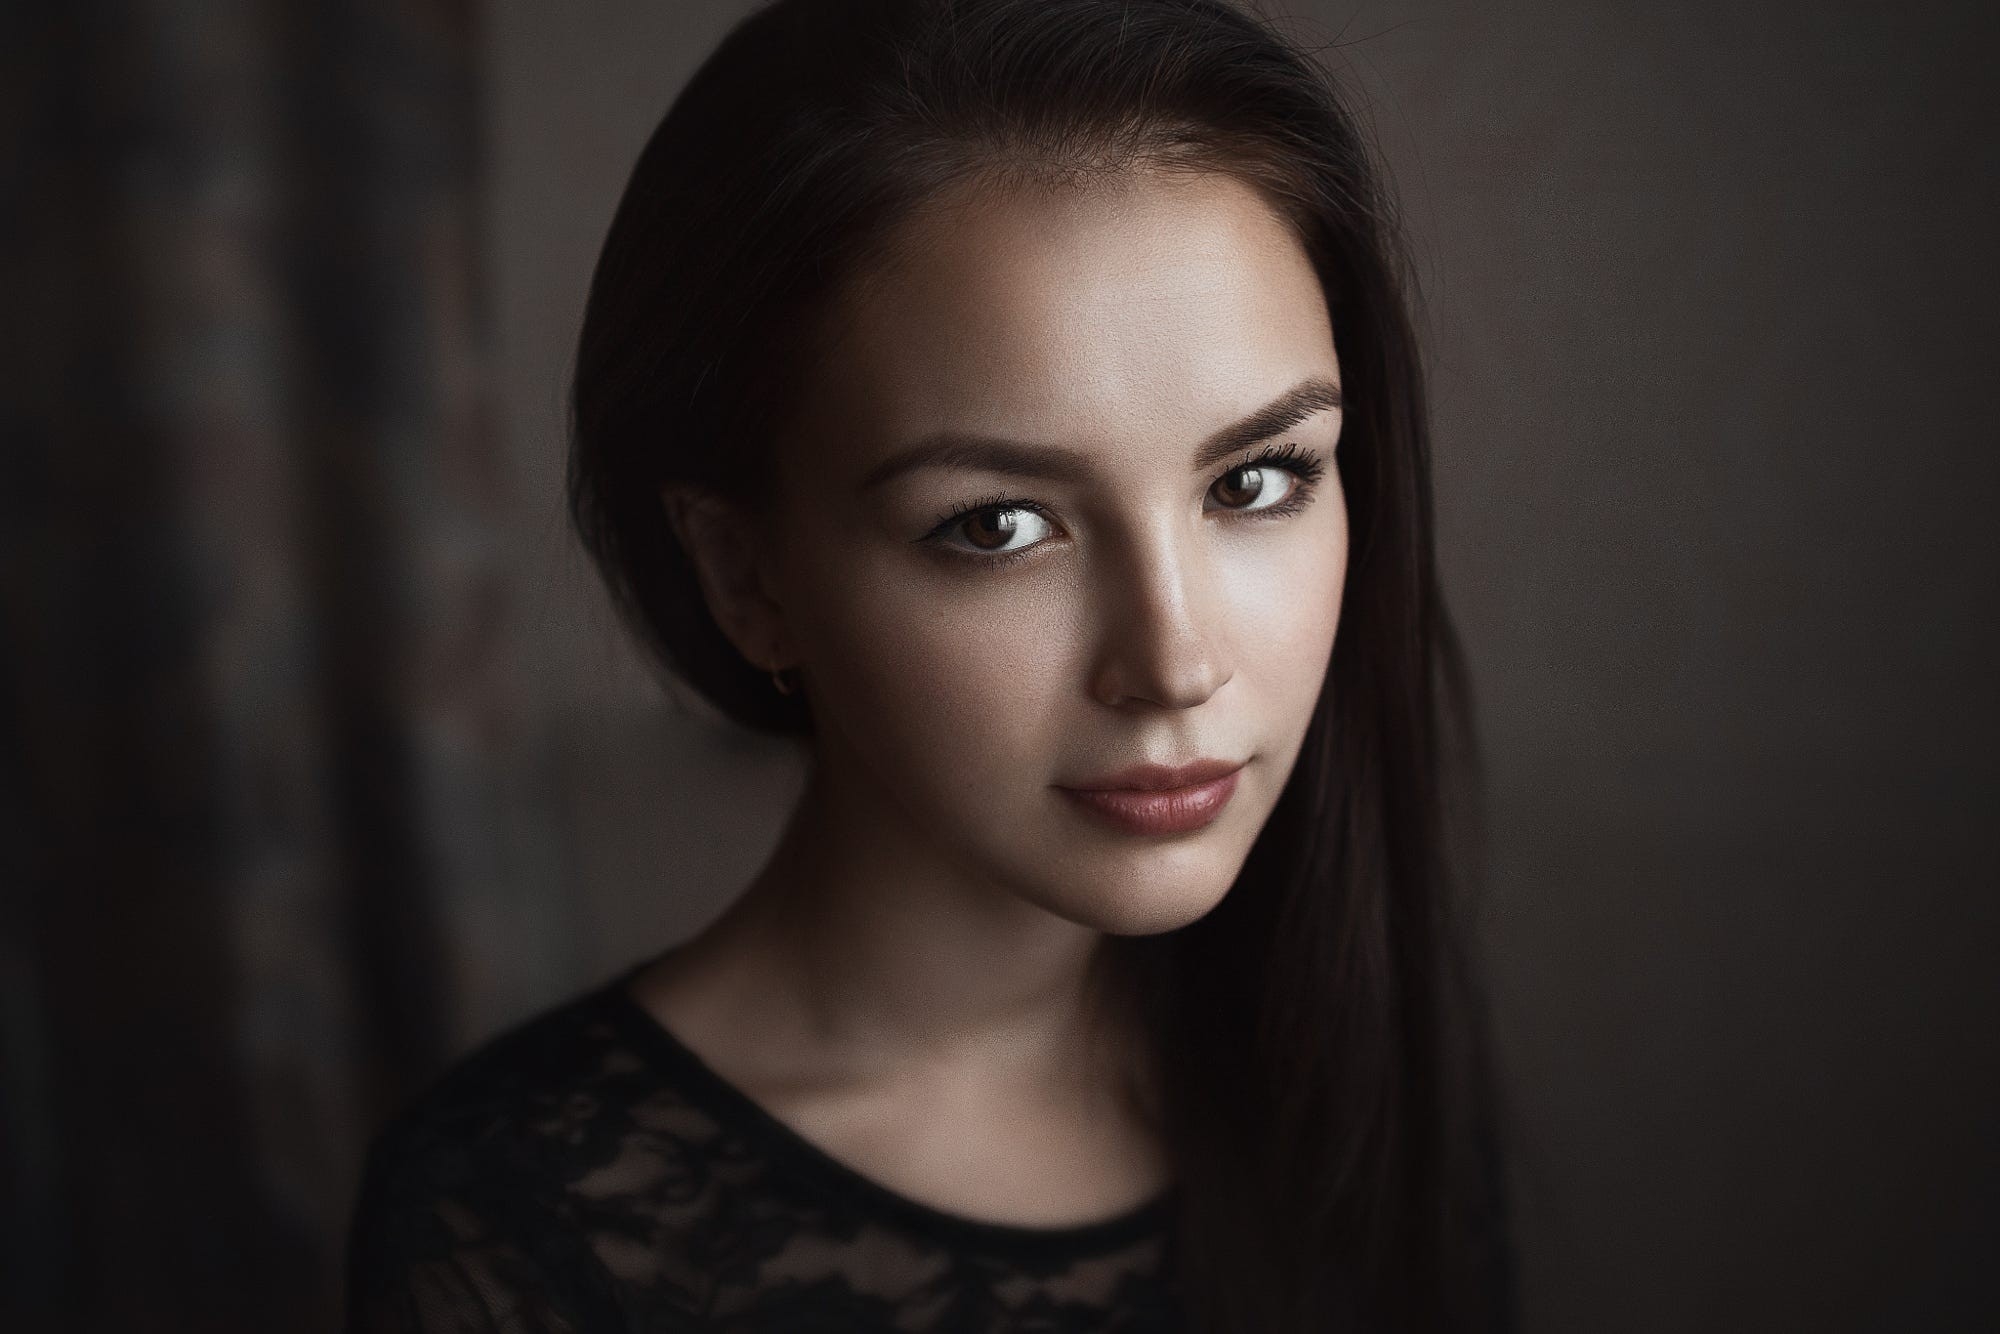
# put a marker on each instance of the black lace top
(586, 1171)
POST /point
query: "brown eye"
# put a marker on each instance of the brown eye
(1248, 487)
(992, 529)
(997, 529)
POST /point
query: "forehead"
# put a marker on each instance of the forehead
(1147, 307)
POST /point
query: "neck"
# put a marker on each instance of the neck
(859, 948)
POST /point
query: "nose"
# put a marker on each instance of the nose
(1165, 640)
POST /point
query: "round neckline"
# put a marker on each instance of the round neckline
(734, 1107)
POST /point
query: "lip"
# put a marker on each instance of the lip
(1158, 777)
(1157, 799)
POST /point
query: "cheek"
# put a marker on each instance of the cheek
(1285, 596)
(937, 672)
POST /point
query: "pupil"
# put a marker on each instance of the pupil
(1002, 520)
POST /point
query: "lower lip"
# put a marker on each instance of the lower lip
(1173, 812)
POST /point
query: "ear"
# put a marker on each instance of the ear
(723, 542)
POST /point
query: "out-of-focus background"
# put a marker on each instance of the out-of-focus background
(322, 757)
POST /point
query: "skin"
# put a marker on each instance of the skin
(909, 980)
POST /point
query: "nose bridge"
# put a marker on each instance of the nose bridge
(1165, 638)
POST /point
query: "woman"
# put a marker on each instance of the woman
(1013, 400)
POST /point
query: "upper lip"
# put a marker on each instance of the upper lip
(1158, 777)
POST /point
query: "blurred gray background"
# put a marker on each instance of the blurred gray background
(1710, 296)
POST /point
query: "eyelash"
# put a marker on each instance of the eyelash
(1288, 456)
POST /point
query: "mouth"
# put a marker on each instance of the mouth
(1153, 799)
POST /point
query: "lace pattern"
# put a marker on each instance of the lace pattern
(585, 1172)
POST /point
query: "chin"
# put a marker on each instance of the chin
(1148, 909)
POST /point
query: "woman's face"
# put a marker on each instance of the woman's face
(1082, 584)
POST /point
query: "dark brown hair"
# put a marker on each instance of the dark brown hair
(1324, 1095)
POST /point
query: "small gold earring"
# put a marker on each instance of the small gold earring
(778, 680)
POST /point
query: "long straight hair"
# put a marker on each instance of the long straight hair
(1323, 1091)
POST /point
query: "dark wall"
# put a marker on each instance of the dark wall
(1714, 303)
(1710, 291)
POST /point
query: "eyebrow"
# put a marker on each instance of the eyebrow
(1016, 458)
